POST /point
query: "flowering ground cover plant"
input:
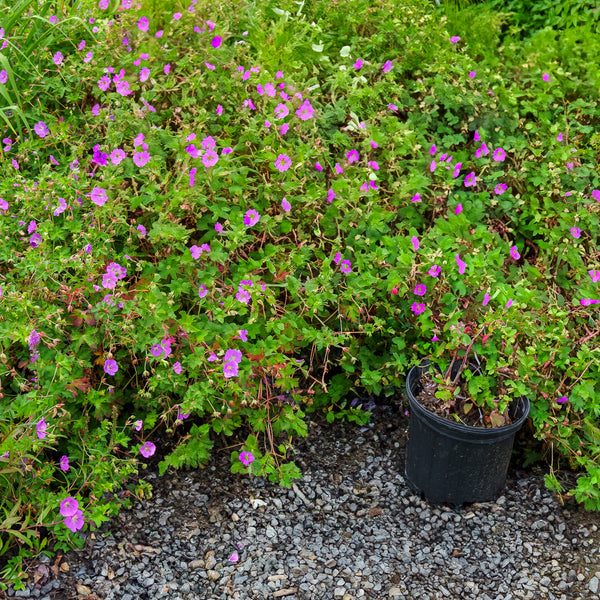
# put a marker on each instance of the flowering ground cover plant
(215, 218)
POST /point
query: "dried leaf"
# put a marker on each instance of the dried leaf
(467, 406)
(497, 419)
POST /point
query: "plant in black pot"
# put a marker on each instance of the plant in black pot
(464, 416)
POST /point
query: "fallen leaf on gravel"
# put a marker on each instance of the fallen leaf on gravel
(40, 572)
(64, 567)
(375, 511)
(83, 590)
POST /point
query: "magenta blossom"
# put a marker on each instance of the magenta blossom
(305, 111)
(435, 270)
(346, 266)
(111, 366)
(141, 158)
(420, 289)
(461, 265)
(486, 299)
(143, 24)
(387, 66)
(499, 155)
(68, 507)
(514, 252)
(417, 308)
(562, 399)
(64, 463)
(251, 217)
(99, 196)
(595, 275)
(147, 449)
(470, 179)
(576, 232)
(246, 457)
(500, 189)
(454, 39)
(41, 129)
(230, 369)
(216, 41)
(416, 198)
(415, 242)
(41, 428)
(283, 163)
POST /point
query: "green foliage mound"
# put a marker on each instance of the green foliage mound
(216, 217)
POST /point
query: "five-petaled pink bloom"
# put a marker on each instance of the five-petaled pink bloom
(246, 457)
(41, 428)
(346, 266)
(562, 399)
(576, 232)
(216, 41)
(387, 66)
(514, 252)
(41, 129)
(143, 24)
(64, 463)
(454, 39)
(486, 299)
(416, 198)
(500, 188)
(202, 291)
(595, 275)
(470, 179)
(283, 163)
(147, 449)
(415, 242)
(111, 366)
(499, 155)
(420, 289)
(99, 196)
(230, 369)
(58, 58)
(417, 308)
(546, 77)
(461, 264)
(251, 217)
(141, 158)
(68, 507)
(435, 270)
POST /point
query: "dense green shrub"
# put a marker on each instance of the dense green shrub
(184, 293)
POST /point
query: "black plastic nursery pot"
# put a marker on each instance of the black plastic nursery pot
(455, 463)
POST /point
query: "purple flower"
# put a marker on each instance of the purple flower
(500, 189)
(138, 425)
(156, 350)
(420, 289)
(68, 507)
(147, 449)
(486, 299)
(562, 399)
(415, 242)
(3, 76)
(286, 205)
(58, 58)
(458, 208)
(576, 232)
(454, 39)
(251, 217)
(246, 457)
(141, 158)
(75, 521)
(305, 111)
(177, 367)
(595, 275)
(117, 155)
(470, 179)
(234, 557)
(111, 366)
(509, 303)
(461, 265)
(346, 266)
(243, 333)
(216, 41)
(99, 196)
(435, 270)
(499, 155)
(514, 252)
(123, 87)
(353, 156)
(416, 198)
(588, 301)
(232, 355)
(230, 369)
(41, 129)
(202, 291)
(417, 308)
(41, 428)
(210, 158)
(64, 463)
(35, 240)
(283, 163)
(546, 77)
(387, 66)
(358, 64)
(143, 24)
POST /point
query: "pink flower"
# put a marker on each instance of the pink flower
(472, 74)
(210, 158)
(147, 449)
(358, 64)
(461, 265)
(99, 196)
(75, 521)
(346, 266)
(435, 270)
(144, 74)
(416, 198)
(454, 39)
(305, 111)
(234, 557)
(230, 369)
(138, 425)
(509, 303)
(117, 155)
(546, 77)
(486, 299)
(64, 463)
(243, 333)
(387, 66)
(338, 169)
(596, 195)
(420, 289)
(476, 136)
(281, 111)
(595, 275)
(41, 129)
(352, 156)
(393, 107)
(417, 308)
(123, 87)
(500, 188)
(576, 232)
(41, 428)
(415, 242)
(216, 41)
(499, 155)
(143, 24)
(283, 163)
(432, 150)
(458, 208)
(58, 58)
(141, 158)
(111, 366)
(246, 457)
(202, 291)
(562, 399)
(588, 301)
(470, 179)
(251, 217)
(286, 205)
(514, 252)
(432, 166)
(68, 507)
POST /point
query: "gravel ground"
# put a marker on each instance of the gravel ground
(350, 529)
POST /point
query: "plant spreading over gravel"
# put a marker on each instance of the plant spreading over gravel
(216, 218)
